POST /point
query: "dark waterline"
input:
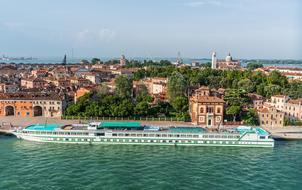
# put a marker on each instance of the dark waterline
(29, 165)
(58, 60)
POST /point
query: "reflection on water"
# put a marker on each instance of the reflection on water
(68, 166)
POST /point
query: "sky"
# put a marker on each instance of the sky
(260, 29)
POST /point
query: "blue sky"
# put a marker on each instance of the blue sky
(152, 28)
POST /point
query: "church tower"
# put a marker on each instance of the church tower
(214, 60)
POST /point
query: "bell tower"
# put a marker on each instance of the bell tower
(214, 60)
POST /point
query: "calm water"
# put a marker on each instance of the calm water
(28, 165)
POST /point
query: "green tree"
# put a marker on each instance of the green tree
(95, 61)
(102, 89)
(141, 90)
(141, 108)
(276, 78)
(236, 100)
(236, 97)
(247, 85)
(271, 90)
(180, 104)
(234, 111)
(177, 85)
(252, 66)
(124, 87)
(251, 117)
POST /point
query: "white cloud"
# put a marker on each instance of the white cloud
(201, 3)
(88, 35)
(106, 34)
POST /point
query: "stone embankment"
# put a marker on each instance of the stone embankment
(286, 133)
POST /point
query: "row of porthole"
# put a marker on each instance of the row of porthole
(150, 141)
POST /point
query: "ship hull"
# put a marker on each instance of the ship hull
(146, 141)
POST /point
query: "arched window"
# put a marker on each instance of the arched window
(201, 110)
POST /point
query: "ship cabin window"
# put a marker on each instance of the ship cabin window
(164, 135)
(184, 136)
(157, 135)
(151, 135)
(217, 136)
(100, 134)
(133, 135)
(120, 134)
(114, 134)
(189, 136)
(262, 137)
(177, 135)
(211, 136)
(224, 136)
(205, 136)
(126, 134)
(170, 135)
(139, 135)
(195, 136)
(230, 137)
(145, 135)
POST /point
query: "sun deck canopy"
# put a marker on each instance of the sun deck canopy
(120, 125)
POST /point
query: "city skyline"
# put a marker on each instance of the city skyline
(247, 29)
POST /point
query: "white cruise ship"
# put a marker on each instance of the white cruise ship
(135, 133)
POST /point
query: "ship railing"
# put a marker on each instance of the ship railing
(172, 119)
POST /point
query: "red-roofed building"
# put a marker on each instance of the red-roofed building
(206, 110)
(81, 92)
(33, 83)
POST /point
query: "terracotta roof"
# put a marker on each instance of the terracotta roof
(34, 79)
(280, 96)
(264, 110)
(296, 101)
(254, 96)
(203, 88)
(208, 99)
(29, 96)
(283, 68)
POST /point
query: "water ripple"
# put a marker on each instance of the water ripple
(28, 165)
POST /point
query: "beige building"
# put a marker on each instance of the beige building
(33, 83)
(279, 101)
(257, 100)
(271, 117)
(291, 107)
(206, 110)
(93, 77)
(226, 64)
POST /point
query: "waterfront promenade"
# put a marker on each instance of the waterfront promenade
(5, 122)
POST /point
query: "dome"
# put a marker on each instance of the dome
(228, 58)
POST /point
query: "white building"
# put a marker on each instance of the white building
(214, 60)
